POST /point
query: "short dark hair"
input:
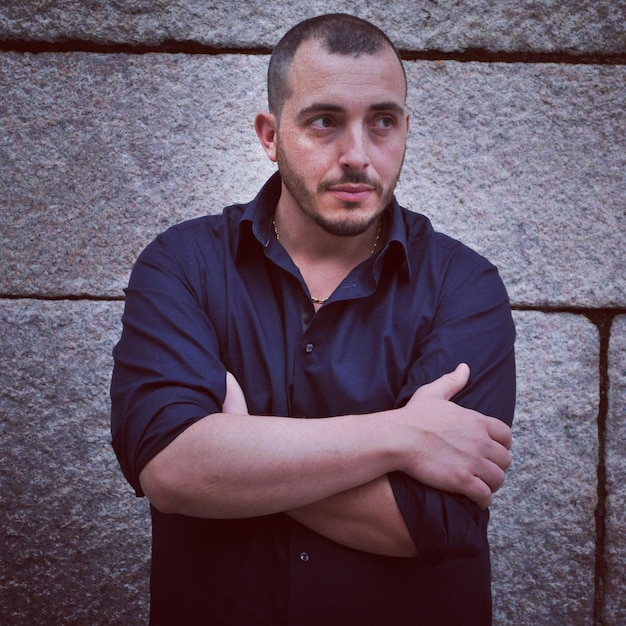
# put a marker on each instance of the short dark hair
(339, 33)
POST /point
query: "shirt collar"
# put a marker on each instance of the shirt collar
(256, 220)
(397, 245)
(257, 217)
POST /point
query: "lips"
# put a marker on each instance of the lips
(351, 192)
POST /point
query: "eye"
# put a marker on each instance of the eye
(385, 121)
(323, 121)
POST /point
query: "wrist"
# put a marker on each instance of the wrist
(392, 439)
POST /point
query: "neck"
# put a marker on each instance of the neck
(326, 262)
(318, 245)
(303, 237)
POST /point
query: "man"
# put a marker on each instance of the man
(325, 302)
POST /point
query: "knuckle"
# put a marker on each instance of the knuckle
(509, 461)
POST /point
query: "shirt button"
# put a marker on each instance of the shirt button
(304, 557)
(308, 348)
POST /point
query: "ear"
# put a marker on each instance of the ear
(265, 126)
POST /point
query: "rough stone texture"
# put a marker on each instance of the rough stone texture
(572, 26)
(616, 478)
(128, 145)
(75, 541)
(99, 152)
(65, 506)
(542, 525)
(524, 162)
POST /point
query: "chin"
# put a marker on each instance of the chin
(350, 225)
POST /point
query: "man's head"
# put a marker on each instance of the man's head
(338, 123)
(338, 33)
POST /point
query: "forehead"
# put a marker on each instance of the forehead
(316, 74)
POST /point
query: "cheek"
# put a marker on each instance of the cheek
(299, 152)
(391, 159)
(310, 159)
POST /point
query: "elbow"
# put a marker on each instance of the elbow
(174, 488)
(158, 489)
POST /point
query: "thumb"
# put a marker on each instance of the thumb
(450, 384)
(235, 401)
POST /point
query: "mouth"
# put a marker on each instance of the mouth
(351, 192)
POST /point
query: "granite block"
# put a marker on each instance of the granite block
(615, 607)
(103, 152)
(75, 540)
(523, 162)
(526, 163)
(542, 527)
(571, 26)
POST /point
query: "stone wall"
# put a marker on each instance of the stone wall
(120, 118)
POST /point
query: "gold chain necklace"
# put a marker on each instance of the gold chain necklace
(319, 300)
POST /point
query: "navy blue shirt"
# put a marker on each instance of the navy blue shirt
(220, 293)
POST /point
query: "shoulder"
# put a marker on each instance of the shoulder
(216, 225)
(190, 251)
(204, 233)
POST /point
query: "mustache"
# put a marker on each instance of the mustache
(352, 177)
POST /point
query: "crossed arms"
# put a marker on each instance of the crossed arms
(331, 474)
(337, 475)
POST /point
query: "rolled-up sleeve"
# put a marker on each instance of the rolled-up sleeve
(473, 325)
(167, 372)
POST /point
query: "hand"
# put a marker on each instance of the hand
(456, 449)
(235, 401)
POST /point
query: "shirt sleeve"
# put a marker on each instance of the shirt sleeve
(167, 373)
(473, 324)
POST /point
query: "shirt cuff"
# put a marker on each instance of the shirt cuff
(442, 525)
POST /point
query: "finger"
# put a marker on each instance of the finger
(501, 456)
(500, 432)
(493, 476)
(479, 492)
(450, 384)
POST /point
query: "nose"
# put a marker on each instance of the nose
(354, 149)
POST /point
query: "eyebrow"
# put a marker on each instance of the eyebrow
(334, 108)
(388, 106)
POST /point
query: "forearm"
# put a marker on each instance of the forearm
(229, 466)
(364, 518)
(325, 471)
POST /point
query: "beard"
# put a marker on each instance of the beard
(353, 220)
